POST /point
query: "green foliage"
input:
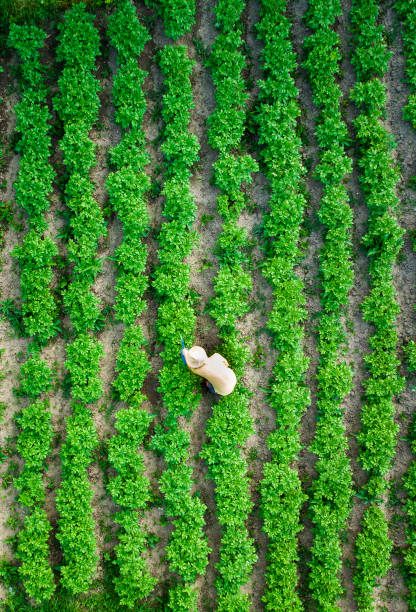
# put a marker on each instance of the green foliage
(407, 13)
(36, 254)
(35, 377)
(35, 257)
(383, 241)
(73, 502)
(232, 287)
(373, 549)
(22, 11)
(33, 550)
(126, 187)
(183, 598)
(130, 488)
(370, 57)
(379, 177)
(178, 16)
(332, 491)
(83, 362)
(230, 424)
(78, 39)
(132, 366)
(410, 351)
(176, 318)
(280, 488)
(135, 581)
(126, 33)
(35, 436)
(34, 445)
(77, 105)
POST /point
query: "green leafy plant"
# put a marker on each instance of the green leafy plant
(334, 375)
(36, 377)
(226, 431)
(34, 444)
(178, 15)
(176, 317)
(379, 177)
(38, 318)
(127, 186)
(77, 104)
(280, 488)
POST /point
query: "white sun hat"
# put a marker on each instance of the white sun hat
(196, 357)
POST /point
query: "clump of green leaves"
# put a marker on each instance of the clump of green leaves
(35, 377)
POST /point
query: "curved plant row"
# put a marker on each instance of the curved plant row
(126, 186)
(77, 106)
(331, 492)
(35, 257)
(187, 550)
(407, 12)
(383, 240)
(231, 423)
(281, 493)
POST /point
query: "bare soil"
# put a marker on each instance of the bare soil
(204, 266)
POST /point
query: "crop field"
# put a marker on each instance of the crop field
(242, 174)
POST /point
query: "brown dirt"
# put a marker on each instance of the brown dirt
(204, 266)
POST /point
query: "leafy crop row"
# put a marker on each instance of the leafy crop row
(281, 494)
(34, 445)
(178, 16)
(383, 240)
(187, 550)
(126, 186)
(331, 492)
(407, 12)
(231, 423)
(77, 106)
(35, 257)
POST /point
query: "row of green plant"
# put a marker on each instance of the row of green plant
(127, 185)
(33, 186)
(35, 257)
(178, 15)
(331, 492)
(378, 176)
(187, 549)
(407, 14)
(34, 445)
(231, 423)
(29, 11)
(77, 105)
(281, 494)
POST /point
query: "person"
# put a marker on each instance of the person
(215, 369)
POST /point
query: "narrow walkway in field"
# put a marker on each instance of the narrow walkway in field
(105, 135)
(258, 339)
(357, 329)
(309, 274)
(204, 266)
(393, 588)
(11, 347)
(152, 125)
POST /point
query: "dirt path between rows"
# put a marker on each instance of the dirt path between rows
(204, 266)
